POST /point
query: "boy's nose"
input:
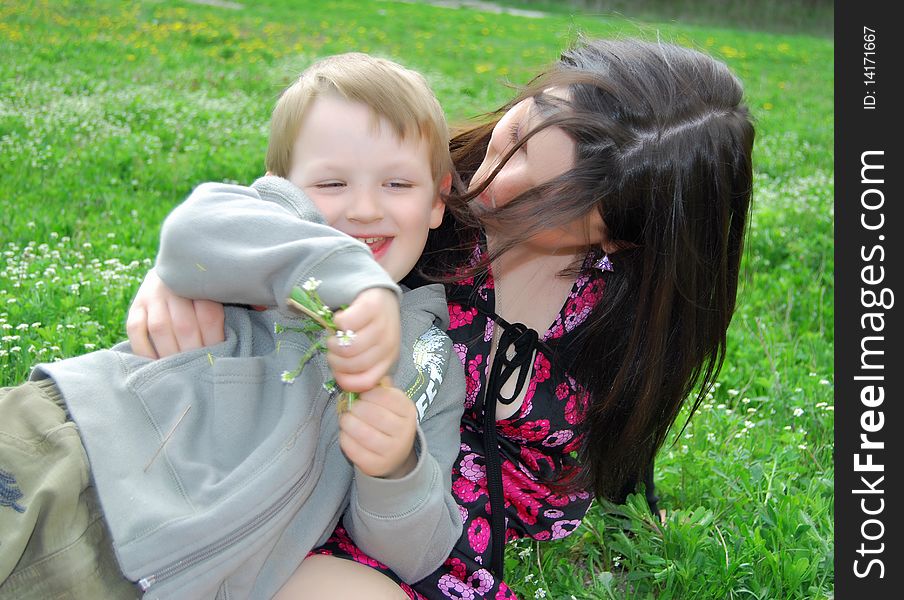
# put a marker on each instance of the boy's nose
(365, 206)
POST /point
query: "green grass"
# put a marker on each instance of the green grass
(111, 112)
(816, 17)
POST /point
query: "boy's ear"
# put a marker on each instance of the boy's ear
(439, 205)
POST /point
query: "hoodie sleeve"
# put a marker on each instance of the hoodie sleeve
(411, 524)
(251, 245)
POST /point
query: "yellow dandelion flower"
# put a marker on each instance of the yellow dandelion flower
(768, 106)
(483, 68)
(728, 51)
(784, 48)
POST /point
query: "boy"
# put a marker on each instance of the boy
(215, 476)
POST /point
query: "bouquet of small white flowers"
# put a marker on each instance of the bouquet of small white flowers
(318, 326)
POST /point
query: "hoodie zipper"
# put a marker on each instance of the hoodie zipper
(176, 567)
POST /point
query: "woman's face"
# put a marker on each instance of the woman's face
(545, 156)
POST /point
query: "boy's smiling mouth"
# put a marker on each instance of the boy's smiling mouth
(377, 244)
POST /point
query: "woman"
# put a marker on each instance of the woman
(595, 271)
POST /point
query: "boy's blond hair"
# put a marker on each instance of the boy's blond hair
(399, 95)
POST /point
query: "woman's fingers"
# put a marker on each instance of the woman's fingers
(211, 321)
(137, 330)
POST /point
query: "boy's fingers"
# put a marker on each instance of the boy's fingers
(367, 461)
(360, 342)
(364, 433)
(360, 382)
(386, 409)
(357, 363)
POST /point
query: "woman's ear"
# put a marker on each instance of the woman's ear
(439, 205)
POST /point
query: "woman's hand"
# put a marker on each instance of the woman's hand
(374, 318)
(377, 432)
(161, 323)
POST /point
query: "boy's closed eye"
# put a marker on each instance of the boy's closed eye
(403, 185)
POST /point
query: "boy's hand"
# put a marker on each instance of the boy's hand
(377, 433)
(374, 318)
(161, 323)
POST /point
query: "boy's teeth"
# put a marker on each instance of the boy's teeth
(371, 240)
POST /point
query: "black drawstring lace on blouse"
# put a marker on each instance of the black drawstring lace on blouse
(525, 342)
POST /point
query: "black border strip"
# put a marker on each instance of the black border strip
(868, 270)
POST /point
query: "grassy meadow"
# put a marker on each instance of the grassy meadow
(111, 112)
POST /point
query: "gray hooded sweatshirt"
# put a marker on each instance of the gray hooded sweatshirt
(215, 477)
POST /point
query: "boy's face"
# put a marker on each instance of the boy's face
(366, 182)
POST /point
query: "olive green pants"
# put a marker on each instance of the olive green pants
(53, 539)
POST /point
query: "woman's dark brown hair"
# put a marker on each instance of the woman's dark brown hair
(663, 153)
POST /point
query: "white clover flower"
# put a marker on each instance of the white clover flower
(749, 424)
(824, 381)
(802, 446)
(89, 346)
(733, 392)
(710, 437)
(821, 404)
(346, 337)
(529, 577)
(540, 593)
(798, 411)
(287, 377)
(830, 407)
(311, 284)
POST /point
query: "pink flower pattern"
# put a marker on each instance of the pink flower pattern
(537, 445)
(479, 534)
